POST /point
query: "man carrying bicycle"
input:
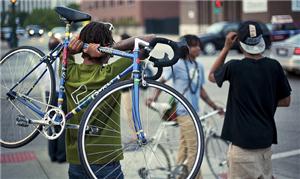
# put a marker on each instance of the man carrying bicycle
(258, 86)
(94, 72)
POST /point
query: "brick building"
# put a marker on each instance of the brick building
(181, 17)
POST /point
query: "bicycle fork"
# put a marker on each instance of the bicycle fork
(135, 97)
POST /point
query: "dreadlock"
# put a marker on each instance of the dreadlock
(190, 41)
(96, 32)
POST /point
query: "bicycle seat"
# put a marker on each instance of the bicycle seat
(72, 15)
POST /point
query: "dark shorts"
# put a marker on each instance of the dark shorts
(112, 170)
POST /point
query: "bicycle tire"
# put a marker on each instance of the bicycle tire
(132, 160)
(22, 58)
(216, 155)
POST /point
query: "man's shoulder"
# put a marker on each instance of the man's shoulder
(233, 62)
(121, 62)
(272, 61)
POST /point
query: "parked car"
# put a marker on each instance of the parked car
(287, 53)
(6, 32)
(215, 37)
(34, 30)
(283, 27)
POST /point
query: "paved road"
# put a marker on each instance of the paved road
(287, 164)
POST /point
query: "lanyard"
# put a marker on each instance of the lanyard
(193, 91)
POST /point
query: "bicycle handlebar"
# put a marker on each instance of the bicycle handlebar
(163, 62)
(211, 114)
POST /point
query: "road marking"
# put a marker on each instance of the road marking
(286, 154)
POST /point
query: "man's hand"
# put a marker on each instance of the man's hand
(230, 40)
(75, 46)
(220, 109)
(92, 51)
(149, 101)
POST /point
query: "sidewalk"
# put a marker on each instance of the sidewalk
(3, 48)
(32, 162)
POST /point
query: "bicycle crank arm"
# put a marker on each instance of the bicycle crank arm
(24, 122)
(72, 126)
(89, 129)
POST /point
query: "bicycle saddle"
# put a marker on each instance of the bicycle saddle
(72, 15)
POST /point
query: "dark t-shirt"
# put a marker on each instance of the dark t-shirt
(256, 86)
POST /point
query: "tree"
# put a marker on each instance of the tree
(74, 6)
(46, 18)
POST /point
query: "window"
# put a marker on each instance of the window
(121, 2)
(130, 1)
(112, 3)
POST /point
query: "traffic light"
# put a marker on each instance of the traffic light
(217, 5)
(13, 1)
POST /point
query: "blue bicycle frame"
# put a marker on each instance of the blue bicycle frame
(134, 69)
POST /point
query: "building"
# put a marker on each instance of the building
(136, 16)
(182, 17)
(29, 5)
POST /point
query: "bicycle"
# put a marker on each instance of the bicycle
(25, 113)
(216, 160)
(215, 147)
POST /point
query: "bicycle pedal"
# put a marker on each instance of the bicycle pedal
(22, 121)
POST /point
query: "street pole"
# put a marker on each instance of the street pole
(14, 40)
(3, 13)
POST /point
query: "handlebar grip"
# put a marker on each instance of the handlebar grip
(157, 75)
(165, 62)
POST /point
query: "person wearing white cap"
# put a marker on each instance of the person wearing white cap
(258, 86)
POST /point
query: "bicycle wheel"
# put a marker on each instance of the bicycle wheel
(162, 171)
(107, 134)
(215, 121)
(14, 65)
(216, 155)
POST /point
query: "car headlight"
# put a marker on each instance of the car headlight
(57, 35)
(41, 31)
(31, 32)
(49, 34)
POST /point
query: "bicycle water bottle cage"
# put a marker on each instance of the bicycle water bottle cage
(75, 97)
(71, 15)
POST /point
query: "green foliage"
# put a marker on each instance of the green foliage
(74, 6)
(46, 18)
(22, 17)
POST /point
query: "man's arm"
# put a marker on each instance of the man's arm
(230, 39)
(285, 102)
(123, 45)
(204, 96)
(128, 44)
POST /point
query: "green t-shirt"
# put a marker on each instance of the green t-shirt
(108, 119)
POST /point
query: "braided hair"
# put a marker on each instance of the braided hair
(96, 32)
